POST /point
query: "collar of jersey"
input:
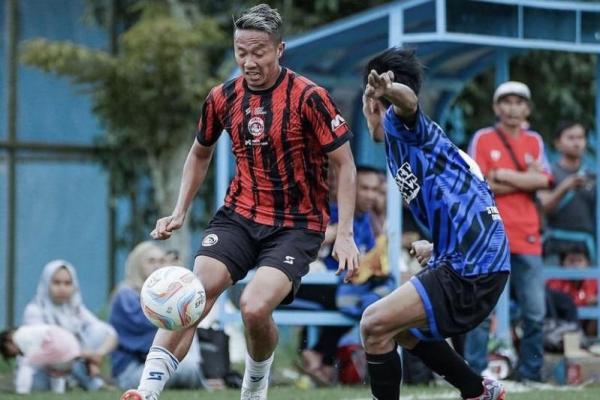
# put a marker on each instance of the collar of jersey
(282, 74)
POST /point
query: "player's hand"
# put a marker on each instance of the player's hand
(374, 110)
(575, 181)
(346, 252)
(166, 226)
(421, 250)
(536, 166)
(378, 84)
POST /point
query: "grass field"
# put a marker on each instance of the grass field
(359, 393)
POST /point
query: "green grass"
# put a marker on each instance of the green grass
(362, 393)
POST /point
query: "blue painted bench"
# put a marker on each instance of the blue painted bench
(299, 313)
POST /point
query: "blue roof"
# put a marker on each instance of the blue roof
(456, 39)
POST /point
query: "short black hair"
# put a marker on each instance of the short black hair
(368, 169)
(563, 126)
(5, 338)
(570, 248)
(405, 65)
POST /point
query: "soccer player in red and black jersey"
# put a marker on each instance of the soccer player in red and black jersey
(285, 130)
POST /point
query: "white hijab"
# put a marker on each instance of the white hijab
(69, 314)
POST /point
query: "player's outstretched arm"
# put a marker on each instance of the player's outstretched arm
(403, 98)
(344, 248)
(194, 172)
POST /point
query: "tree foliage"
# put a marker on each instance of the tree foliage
(562, 87)
(147, 96)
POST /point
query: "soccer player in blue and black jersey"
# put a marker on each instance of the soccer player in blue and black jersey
(469, 266)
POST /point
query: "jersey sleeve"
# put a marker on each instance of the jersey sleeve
(209, 125)
(322, 115)
(543, 160)
(415, 135)
(477, 153)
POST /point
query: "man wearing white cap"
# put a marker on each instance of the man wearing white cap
(514, 161)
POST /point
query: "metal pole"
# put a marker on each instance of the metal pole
(112, 200)
(394, 202)
(597, 127)
(503, 306)
(11, 124)
(222, 171)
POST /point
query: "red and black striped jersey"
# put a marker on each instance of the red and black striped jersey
(280, 140)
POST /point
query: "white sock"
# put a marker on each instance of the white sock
(256, 374)
(159, 367)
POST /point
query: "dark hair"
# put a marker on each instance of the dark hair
(563, 126)
(368, 168)
(577, 248)
(405, 65)
(5, 338)
(261, 18)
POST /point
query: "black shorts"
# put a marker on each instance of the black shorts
(242, 244)
(455, 304)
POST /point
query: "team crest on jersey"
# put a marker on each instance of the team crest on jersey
(256, 126)
(495, 154)
(407, 183)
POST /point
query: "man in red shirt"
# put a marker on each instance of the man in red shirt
(513, 159)
(284, 131)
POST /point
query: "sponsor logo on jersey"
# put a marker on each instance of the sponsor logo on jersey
(289, 260)
(494, 213)
(337, 121)
(210, 240)
(407, 183)
(155, 375)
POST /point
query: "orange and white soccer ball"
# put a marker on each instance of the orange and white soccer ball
(173, 298)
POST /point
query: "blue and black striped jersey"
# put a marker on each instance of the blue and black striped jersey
(446, 191)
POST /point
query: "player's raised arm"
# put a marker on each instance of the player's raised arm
(402, 97)
(194, 172)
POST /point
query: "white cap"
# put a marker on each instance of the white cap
(512, 87)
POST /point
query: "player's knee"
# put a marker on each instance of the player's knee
(254, 312)
(372, 327)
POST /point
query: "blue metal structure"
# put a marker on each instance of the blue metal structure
(51, 185)
(457, 40)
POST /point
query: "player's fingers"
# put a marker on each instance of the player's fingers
(378, 79)
(371, 79)
(387, 82)
(391, 75)
(341, 265)
(352, 270)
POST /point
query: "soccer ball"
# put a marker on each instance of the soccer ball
(173, 298)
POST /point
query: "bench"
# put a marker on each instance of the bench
(297, 313)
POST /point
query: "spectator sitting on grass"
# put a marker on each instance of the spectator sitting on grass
(48, 348)
(58, 302)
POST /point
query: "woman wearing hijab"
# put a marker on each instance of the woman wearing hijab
(134, 330)
(58, 302)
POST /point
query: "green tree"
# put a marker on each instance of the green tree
(147, 96)
(562, 88)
